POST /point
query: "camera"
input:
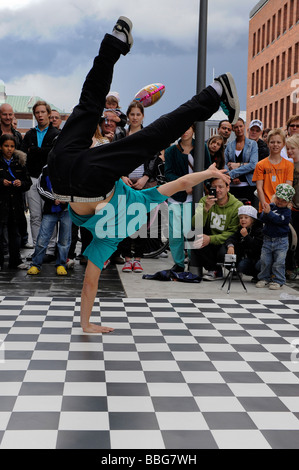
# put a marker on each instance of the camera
(212, 192)
(230, 259)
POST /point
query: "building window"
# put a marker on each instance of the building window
(279, 15)
(262, 80)
(297, 12)
(268, 32)
(273, 27)
(283, 66)
(277, 69)
(267, 77)
(263, 36)
(290, 55)
(285, 18)
(291, 20)
(296, 58)
(270, 114)
(281, 112)
(266, 116)
(288, 107)
(275, 114)
(253, 44)
(272, 73)
(257, 82)
(261, 114)
(252, 84)
(258, 46)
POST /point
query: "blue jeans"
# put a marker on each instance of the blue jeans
(273, 256)
(249, 267)
(47, 227)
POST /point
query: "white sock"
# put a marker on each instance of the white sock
(119, 35)
(217, 87)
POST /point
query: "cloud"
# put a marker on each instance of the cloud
(48, 46)
(167, 20)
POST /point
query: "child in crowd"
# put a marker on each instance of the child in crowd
(273, 170)
(14, 181)
(247, 242)
(54, 211)
(276, 218)
(112, 102)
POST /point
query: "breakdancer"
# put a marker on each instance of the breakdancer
(89, 178)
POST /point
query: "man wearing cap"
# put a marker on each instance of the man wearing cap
(254, 133)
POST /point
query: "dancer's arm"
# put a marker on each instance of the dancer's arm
(184, 183)
(89, 292)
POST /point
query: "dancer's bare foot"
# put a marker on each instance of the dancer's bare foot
(92, 328)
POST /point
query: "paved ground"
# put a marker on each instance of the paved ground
(115, 284)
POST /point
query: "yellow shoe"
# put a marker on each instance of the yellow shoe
(33, 270)
(61, 271)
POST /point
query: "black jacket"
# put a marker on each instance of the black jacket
(249, 246)
(44, 188)
(11, 197)
(37, 156)
(263, 149)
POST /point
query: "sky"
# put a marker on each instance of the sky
(47, 47)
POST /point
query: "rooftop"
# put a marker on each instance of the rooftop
(257, 8)
(23, 104)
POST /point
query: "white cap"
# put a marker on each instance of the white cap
(256, 122)
(114, 94)
(248, 210)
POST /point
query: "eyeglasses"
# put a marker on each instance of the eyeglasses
(294, 125)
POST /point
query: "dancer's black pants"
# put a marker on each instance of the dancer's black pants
(78, 170)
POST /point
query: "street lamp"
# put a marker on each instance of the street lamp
(199, 149)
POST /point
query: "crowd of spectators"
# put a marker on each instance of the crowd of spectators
(248, 218)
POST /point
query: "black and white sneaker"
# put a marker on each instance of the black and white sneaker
(229, 98)
(123, 29)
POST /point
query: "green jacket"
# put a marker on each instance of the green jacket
(220, 222)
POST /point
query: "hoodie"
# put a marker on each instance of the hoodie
(220, 222)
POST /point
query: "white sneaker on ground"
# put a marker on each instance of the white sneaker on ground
(262, 283)
(274, 286)
(213, 276)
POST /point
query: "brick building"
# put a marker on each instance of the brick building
(273, 78)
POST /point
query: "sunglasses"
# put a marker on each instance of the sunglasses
(293, 125)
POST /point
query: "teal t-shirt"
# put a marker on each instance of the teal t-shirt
(124, 215)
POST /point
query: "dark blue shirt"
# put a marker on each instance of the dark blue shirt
(276, 223)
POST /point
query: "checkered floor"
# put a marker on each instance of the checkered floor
(175, 374)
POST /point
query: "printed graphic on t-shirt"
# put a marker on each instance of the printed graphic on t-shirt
(218, 221)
